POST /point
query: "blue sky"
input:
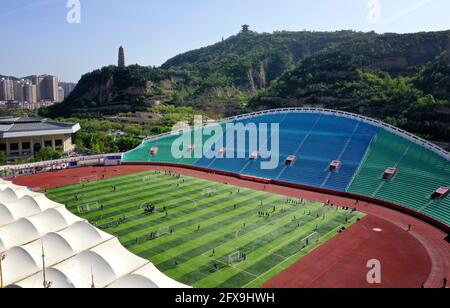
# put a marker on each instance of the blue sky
(37, 39)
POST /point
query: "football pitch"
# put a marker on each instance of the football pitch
(203, 233)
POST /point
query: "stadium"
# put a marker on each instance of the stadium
(352, 202)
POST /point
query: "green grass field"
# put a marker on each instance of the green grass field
(228, 218)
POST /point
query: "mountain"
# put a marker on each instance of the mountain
(218, 78)
(250, 61)
(401, 79)
(8, 77)
(16, 78)
(434, 77)
(111, 90)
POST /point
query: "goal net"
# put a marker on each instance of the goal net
(147, 178)
(311, 239)
(208, 192)
(88, 179)
(164, 231)
(235, 257)
(89, 207)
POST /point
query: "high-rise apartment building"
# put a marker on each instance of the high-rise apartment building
(37, 80)
(6, 90)
(51, 89)
(46, 87)
(18, 90)
(43, 89)
(60, 95)
(29, 93)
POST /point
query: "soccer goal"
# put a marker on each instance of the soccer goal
(163, 231)
(89, 207)
(88, 179)
(147, 178)
(209, 192)
(235, 257)
(311, 239)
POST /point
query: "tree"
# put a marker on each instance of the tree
(3, 157)
(45, 154)
(127, 143)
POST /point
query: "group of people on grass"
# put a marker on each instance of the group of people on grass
(149, 209)
(295, 201)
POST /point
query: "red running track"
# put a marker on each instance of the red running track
(54, 179)
(342, 262)
(408, 259)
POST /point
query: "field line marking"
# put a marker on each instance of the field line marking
(249, 234)
(232, 266)
(292, 256)
(280, 256)
(297, 254)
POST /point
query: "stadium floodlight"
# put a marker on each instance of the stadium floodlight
(2, 258)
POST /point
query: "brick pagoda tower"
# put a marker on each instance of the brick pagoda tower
(121, 57)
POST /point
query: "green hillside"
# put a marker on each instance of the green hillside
(223, 75)
(403, 79)
(250, 61)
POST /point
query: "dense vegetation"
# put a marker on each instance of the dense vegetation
(111, 90)
(401, 79)
(99, 136)
(220, 78)
(96, 136)
(17, 113)
(251, 61)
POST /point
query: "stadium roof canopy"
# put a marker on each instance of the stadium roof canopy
(26, 127)
(77, 255)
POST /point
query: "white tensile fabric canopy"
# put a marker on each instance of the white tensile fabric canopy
(147, 275)
(77, 255)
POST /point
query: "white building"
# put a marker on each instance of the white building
(22, 137)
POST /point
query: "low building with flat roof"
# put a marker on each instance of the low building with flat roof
(21, 138)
